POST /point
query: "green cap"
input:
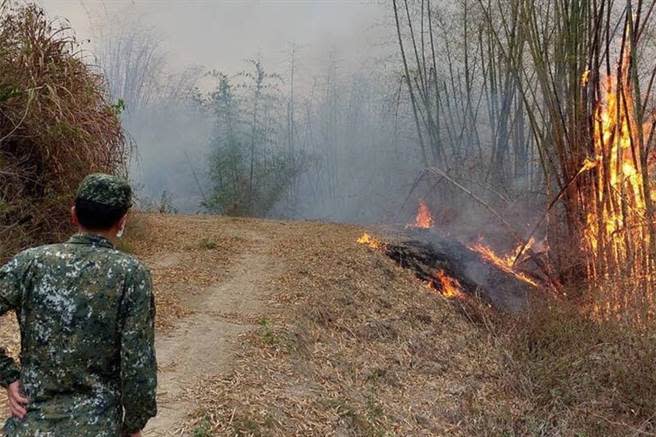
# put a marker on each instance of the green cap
(105, 189)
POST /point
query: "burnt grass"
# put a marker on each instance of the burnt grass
(475, 276)
(353, 344)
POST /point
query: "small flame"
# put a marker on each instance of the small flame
(504, 262)
(449, 287)
(585, 77)
(424, 219)
(588, 165)
(370, 241)
(446, 285)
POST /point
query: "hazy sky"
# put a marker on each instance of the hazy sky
(222, 34)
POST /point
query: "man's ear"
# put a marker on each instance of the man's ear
(123, 221)
(74, 220)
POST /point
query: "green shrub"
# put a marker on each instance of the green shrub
(248, 169)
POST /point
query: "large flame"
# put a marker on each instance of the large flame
(424, 218)
(616, 236)
(621, 205)
(504, 262)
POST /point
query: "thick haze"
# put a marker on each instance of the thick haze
(341, 116)
(222, 34)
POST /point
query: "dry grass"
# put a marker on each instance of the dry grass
(355, 345)
(352, 344)
(185, 255)
(580, 376)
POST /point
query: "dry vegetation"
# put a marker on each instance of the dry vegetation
(165, 243)
(554, 104)
(56, 126)
(580, 376)
(355, 346)
(349, 343)
(352, 344)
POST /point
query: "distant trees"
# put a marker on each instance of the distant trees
(160, 111)
(315, 140)
(464, 96)
(132, 62)
(251, 167)
(327, 146)
(357, 133)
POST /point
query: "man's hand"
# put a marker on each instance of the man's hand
(17, 402)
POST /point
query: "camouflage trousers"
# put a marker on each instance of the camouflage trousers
(32, 425)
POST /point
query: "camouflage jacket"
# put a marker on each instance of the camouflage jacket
(86, 315)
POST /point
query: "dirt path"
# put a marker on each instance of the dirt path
(203, 343)
(353, 343)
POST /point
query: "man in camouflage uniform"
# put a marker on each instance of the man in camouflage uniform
(86, 316)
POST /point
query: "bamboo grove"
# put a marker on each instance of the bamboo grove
(554, 97)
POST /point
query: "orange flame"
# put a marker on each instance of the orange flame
(504, 262)
(616, 217)
(617, 240)
(370, 241)
(450, 287)
(446, 285)
(424, 219)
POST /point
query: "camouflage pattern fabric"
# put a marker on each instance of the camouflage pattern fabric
(106, 190)
(86, 315)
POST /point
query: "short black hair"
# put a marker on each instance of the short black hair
(96, 216)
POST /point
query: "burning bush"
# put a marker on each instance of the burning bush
(56, 125)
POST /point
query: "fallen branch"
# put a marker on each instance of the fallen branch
(438, 172)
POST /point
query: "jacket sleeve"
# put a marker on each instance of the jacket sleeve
(138, 364)
(12, 275)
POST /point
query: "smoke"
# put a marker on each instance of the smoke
(169, 167)
(340, 106)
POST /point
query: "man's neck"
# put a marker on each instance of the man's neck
(110, 234)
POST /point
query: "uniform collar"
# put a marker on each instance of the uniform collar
(91, 240)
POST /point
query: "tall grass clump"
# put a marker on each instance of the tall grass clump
(56, 125)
